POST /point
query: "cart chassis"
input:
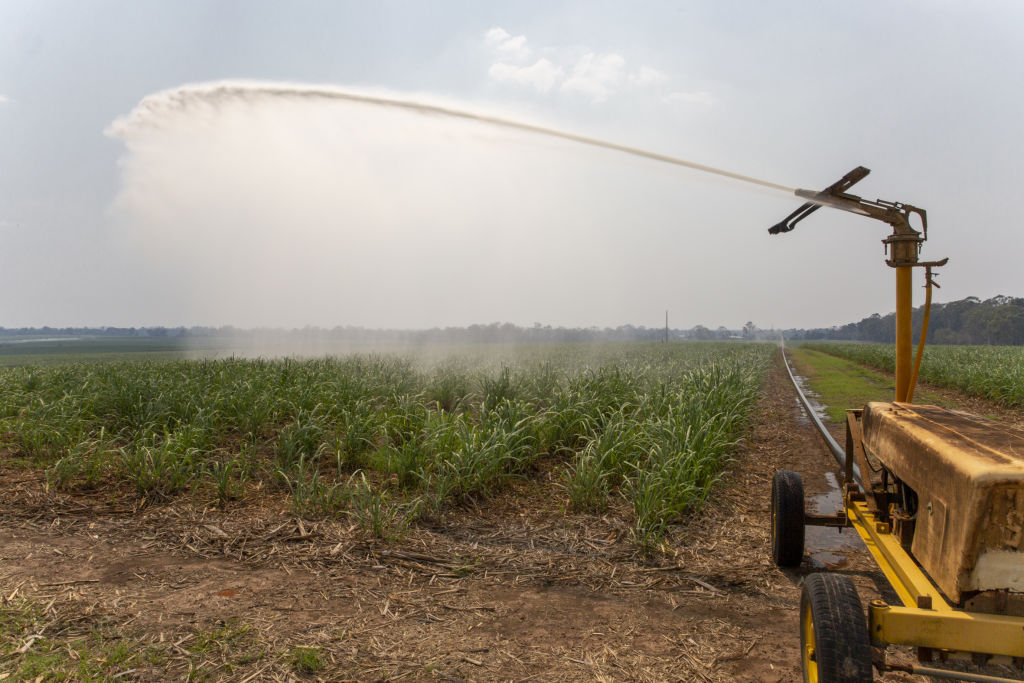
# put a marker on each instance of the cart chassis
(926, 619)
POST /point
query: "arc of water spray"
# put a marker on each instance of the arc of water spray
(231, 90)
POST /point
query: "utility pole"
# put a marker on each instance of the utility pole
(666, 327)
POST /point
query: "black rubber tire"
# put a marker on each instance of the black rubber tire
(787, 519)
(841, 649)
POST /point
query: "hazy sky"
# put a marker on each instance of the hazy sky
(284, 211)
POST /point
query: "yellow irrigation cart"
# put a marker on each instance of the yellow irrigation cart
(936, 495)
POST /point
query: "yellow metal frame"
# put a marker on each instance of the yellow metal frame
(904, 330)
(926, 619)
(807, 649)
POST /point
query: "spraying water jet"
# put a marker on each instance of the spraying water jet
(185, 96)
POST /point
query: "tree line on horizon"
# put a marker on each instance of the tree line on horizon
(995, 321)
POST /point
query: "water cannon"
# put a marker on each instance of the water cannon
(904, 243)
(902, 248)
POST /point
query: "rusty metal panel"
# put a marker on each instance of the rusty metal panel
(969, 477)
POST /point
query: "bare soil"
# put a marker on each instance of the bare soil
(516, 589)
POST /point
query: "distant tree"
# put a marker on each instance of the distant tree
(1006, 325)
(701, 333)
(999, 320)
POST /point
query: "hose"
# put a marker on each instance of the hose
(837, 451)
(929, 283)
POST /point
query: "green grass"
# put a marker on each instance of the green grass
(842, 384)
(54, 646)
(305, 660)
(386, 439)
(34, 644)
(995, 373)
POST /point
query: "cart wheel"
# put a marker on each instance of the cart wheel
(787, 519)
(833, 631)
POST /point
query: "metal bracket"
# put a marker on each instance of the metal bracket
(838, 520)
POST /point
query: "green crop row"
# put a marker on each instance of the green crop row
(388, 439)
(992, 372)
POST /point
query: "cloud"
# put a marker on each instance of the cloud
(4, 99)
(596, 75)
(647, 76)
(700, 98)
(541, 75)
(509, 46)
(497, 35)
(515, 46)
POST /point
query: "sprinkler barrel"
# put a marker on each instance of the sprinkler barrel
(818, 199)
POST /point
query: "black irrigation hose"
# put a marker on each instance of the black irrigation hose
(838, 453)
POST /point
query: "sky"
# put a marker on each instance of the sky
(119, 209)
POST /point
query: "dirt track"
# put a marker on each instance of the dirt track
(516, 590)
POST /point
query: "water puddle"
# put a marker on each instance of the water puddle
(829, 547)
(812, 398)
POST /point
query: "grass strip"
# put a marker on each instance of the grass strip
(841, 384)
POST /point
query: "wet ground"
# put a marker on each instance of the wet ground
(829, 548)
(826, 548)
(845, 553)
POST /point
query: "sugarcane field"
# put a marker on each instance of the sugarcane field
(566, 512)
(513, 342)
